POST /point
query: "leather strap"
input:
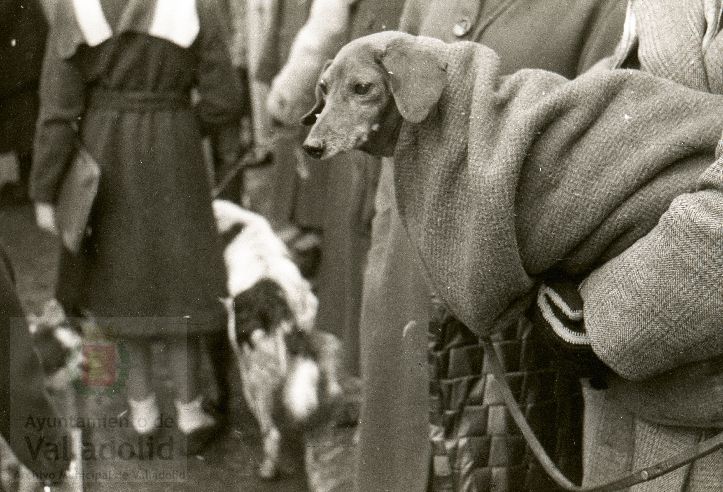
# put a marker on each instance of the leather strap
(686, 456)
(247, 161)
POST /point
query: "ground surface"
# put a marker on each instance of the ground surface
(229, 463)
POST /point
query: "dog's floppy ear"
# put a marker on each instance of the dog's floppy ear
(417, 78)
(310, 118)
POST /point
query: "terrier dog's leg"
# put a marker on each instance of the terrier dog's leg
(259, 401)
(219, 352)
(272, 448)
(329, 352)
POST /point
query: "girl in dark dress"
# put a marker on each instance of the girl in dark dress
(118, 76)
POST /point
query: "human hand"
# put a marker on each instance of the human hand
(45, 217)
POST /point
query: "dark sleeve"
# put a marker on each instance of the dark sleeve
(62, 103)
(219, 88)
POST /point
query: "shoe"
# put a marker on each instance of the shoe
(205, 426)
(195, 442)
(218, 409)
(140, 440)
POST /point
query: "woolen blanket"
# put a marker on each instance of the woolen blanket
(513, 178)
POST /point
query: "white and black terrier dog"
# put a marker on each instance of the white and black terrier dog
(289, 369)
(58, 344)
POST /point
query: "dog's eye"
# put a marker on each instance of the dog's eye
(362, 89)
(323, 86)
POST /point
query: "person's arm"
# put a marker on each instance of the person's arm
(323, 34)
(62, 103)
(659, 304)
(219, 88)
(219, 106)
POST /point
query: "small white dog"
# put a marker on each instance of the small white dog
(288, 368)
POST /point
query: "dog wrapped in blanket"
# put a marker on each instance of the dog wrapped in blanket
(503, 181)
(289, 370)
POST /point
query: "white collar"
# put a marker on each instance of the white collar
(92, 22)
(173, 20)
(176, 21)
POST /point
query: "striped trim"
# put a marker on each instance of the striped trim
(562, 331)
(573, 314)
(176, 21)
(92, 22)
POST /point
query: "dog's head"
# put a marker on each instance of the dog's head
(274, 346)
(261, 308)
(372, 86)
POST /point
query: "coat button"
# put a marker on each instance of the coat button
(462, 27)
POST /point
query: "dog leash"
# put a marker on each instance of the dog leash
(686, 456)
(248, 161)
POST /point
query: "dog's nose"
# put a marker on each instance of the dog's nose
(314, 149)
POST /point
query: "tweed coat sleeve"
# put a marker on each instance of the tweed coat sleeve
(220, 104)
(62, 103)
(652, 308)
(648, 309)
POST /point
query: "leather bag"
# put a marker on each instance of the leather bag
(75, 199)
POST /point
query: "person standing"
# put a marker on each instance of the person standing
(627, 243)
(117, 79)
(23, 30)
(395, 450)
(653, 313)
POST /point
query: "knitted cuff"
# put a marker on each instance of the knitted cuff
(559, 307)
(558, 319)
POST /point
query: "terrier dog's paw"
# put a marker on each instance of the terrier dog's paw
(268, 469)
